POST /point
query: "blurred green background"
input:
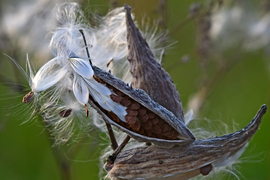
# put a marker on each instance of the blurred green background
(230, 85)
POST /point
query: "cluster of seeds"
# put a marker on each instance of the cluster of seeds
(138, 118)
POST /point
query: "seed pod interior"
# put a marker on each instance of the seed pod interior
(146, 120)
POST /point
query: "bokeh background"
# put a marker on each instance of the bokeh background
(218, 57)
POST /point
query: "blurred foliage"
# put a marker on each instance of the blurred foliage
(236, 83)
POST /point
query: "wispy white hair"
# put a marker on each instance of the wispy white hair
(105, 42)
(66, 34)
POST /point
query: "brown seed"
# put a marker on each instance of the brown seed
(161, 122)
(135, 127)
(131, 112)
(114, 117)
(154, 121)
(174, 134)
(109, 86)
(148, 133)
(125, 102)
(28, 97)
(86, 110)
(170, 127)
(156, 129)
(119, 93)
(166, 134)
(160, 136)
(142, 111)
(115, 98)
(98, 80)
(151, 115)
(122, 123)
(130, 119)
(134, 106)
(147, 125)
(205, 170)
(65, 112)
(143, 118)
(141, 130)
(126, 125)
(165, 127)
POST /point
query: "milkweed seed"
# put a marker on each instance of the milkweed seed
(205, 170)
(28, 97)
(65, 112)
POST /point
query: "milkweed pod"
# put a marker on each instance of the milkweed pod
(179, 134)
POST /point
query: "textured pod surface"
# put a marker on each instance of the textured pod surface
(147, 73)
(181, 162)
(145, 118)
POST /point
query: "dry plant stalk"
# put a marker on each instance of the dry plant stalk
(181, 162)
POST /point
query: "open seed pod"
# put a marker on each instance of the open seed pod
(147, 121)
(183, 162)
(147, 73)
